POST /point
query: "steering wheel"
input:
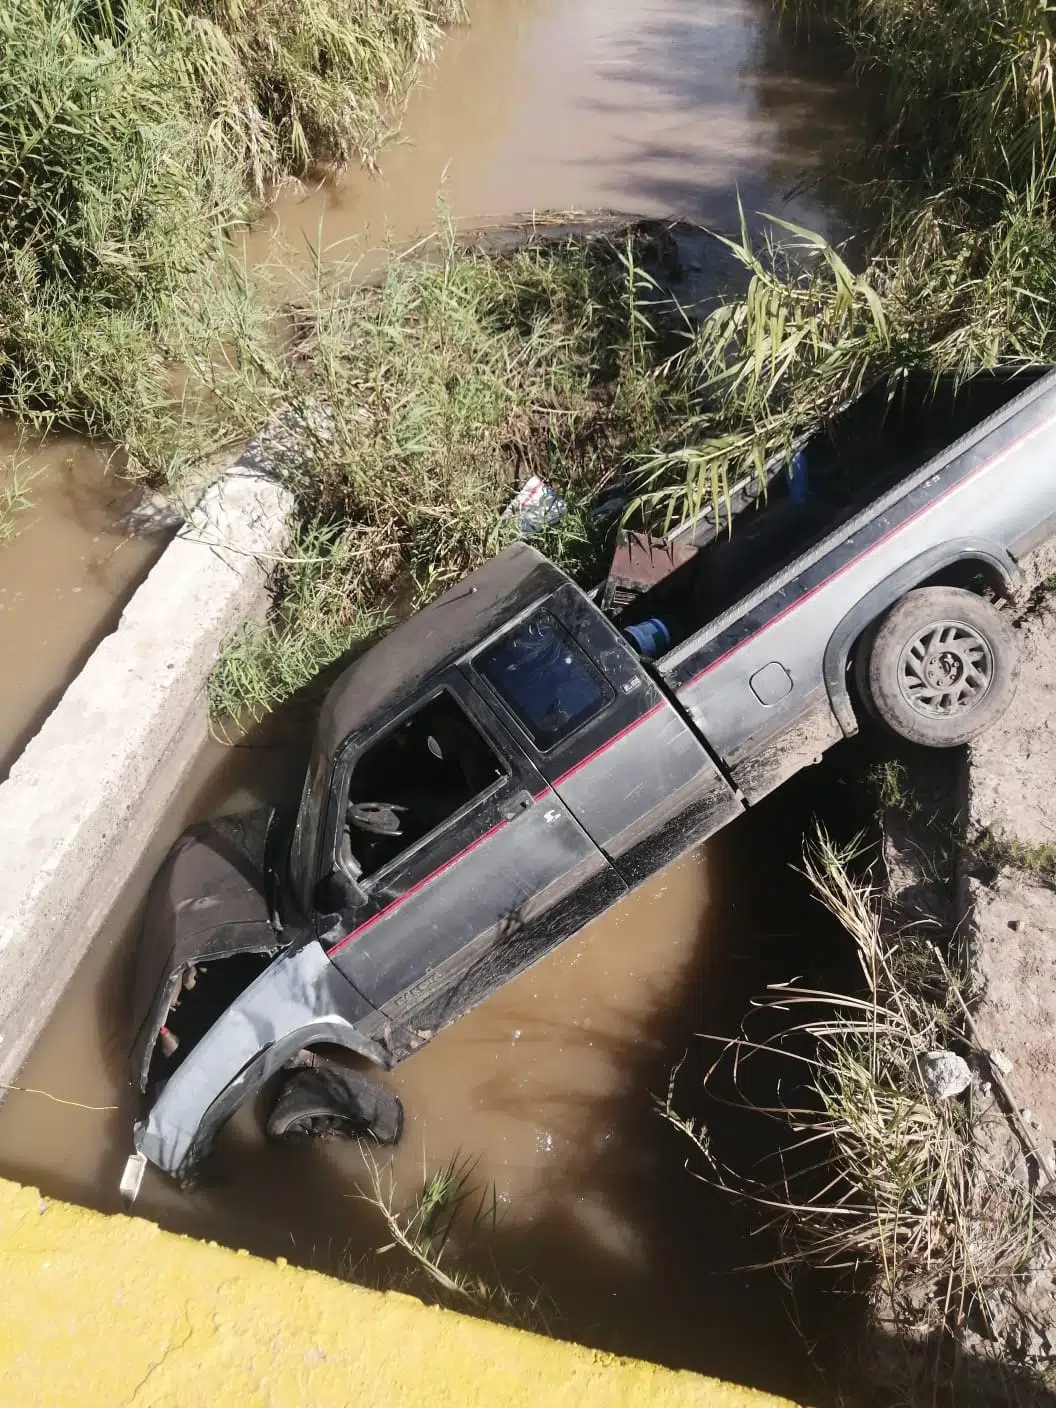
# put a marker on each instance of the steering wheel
(379, 818)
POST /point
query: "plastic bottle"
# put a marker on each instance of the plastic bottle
(651, 638)
(798, 479)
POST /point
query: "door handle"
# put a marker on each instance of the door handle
(519, 802)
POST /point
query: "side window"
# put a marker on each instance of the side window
(411, 781)
(544, 677)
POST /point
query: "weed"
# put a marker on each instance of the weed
(436, 1234)
(880, 1179)
(15, 480)
(1034, 858)
(889, 779)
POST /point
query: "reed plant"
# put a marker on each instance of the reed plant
(135, 135)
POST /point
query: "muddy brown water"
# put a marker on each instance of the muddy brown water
(64, 578)
(650, 106)
(667, 106)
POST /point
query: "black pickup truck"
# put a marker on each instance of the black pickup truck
(514, 758)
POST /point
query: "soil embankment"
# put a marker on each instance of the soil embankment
(970, 848)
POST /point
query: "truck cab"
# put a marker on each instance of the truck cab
(485, 780)
(506, 764)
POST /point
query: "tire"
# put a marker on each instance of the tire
(941, 668)
(329, 1102)
(861, 670)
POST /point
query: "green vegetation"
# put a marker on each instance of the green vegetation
(15, 479)
(137, 134)
(889, 780)
(968, 85)
(415, 408)
(455, 379)
(134, 135)
(440, 1236)
(1034, 858)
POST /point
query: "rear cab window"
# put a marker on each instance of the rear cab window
(544, 679)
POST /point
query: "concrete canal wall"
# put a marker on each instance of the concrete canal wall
(100, 1311)
(82, 801)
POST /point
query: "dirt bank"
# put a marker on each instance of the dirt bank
(970, 848)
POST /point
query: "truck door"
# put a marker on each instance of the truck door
(488, 869)
(605, 737)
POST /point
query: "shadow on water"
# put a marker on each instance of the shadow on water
(781, 111)
(640, 1255)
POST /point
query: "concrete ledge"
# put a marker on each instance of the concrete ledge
(100, 1311)
(81, 803)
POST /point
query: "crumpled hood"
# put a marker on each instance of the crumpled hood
(208, 901)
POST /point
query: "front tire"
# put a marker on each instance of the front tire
(329, 1102)
(941, 668)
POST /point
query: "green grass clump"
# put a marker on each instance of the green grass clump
(1034, 858)
(133, 135)
(968, 86)
(435, 1237)
(415, 409)
(889, 780)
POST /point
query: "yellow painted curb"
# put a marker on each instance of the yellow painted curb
(102, 1311)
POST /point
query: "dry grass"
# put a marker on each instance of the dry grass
(877, 1179)
(439, 1234)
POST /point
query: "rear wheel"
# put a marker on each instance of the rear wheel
(328, 1102)
(940, 668)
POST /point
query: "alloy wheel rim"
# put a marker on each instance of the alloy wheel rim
(945, 670)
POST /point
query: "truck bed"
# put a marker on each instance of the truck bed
(880, 440)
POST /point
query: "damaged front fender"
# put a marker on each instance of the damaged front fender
(299, 1000)
(209, 902)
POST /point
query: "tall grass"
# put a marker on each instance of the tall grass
(415, 409)
(877, 1178)
(943, 292)
(967, 86)
(133, 135)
